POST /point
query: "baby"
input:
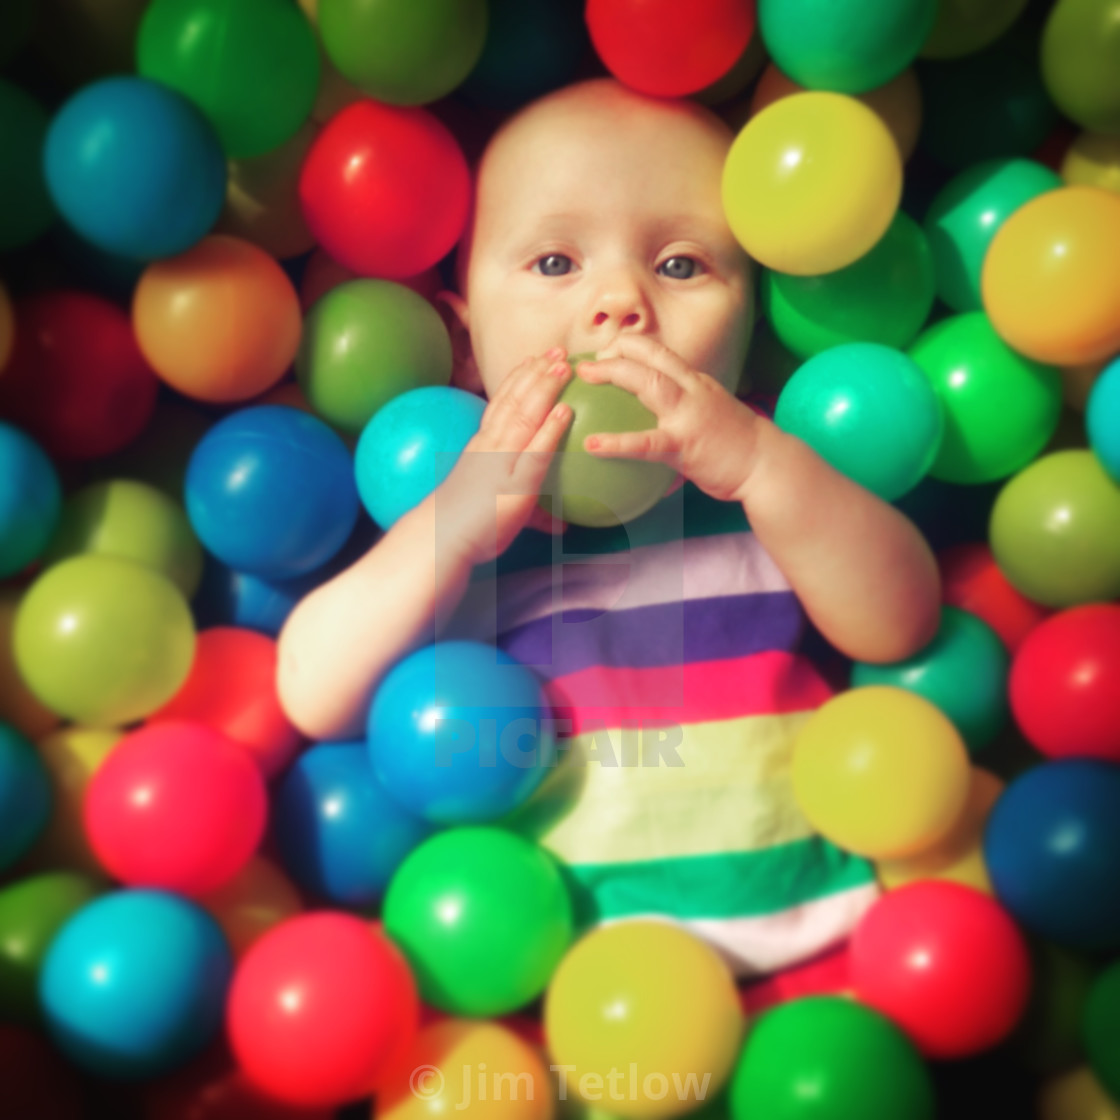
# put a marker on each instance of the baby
(668, 645)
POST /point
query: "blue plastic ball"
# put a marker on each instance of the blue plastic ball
(410, 445)
(25, 795)
(870, 411)
(339, 834)
(270, 491)
(135, 983)
(30, 500)
(1052, 849)
(135, 168)
(1102, 419)
(459, 732)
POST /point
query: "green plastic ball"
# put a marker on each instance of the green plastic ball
(252, 66)
(1100, 1028)
(1000, 407)
(968, 212)
(966, 26)
(103, 641)
(1054, 531)
(885, 297)
(827, 1058)
(26, 210)
(582, 488)
(963, 671)
(404, 52)
(366, 342)
(132, 521)
(32, 911)
(483, 917)
(869, 411)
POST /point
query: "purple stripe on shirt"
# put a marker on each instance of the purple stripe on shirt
(675, 633)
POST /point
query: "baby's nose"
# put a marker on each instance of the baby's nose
(621, 304)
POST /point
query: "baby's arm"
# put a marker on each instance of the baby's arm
(341, 639)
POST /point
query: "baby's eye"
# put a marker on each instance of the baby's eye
(679, 268)
(555, 264)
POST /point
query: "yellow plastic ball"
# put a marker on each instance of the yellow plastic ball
(1076, 1095)
(645, 1017)
(251, 903)
(19, 705)
(812, 183)
(881, 771)
(1093, 160)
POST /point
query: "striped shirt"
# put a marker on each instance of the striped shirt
(668, 650)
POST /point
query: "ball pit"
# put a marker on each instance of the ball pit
(173, 174)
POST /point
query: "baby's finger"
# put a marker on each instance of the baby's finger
(657, 390)
(649, 351)
(524, 413)
(545, 522)
(652, 444)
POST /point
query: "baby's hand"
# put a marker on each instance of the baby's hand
(702, 430)
(491, 494)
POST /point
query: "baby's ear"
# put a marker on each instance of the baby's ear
(452, 310)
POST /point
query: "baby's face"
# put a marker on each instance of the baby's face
(599, 214)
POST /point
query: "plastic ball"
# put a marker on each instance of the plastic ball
(1065, 680)
(410, 446)
(972, 581)
(884, 297)
(1093, 160)
(968, 212)
(857, 1062)
(667, 50)
(132, 521)
(1052, 847)
(270, 490)
(802, 149)
(1101, 1028)
(32, 911)
(262, 198)
(26, 210)
(649, 999)
(251, 67)
(232, 688)
(1102, 419)
(945, 963)
(959, 856)
(30, 500)
(448, 908)
(963, 671)
(77, 381)
(385, 190)
(847, 47)
(460, 732)
(1076, 1095)
(319, 1008)
(1053, 530)
(21, 707)
(898, 103)
(257, 898)
(78, 631)
(220, 322)
(869, 411)
(366, 342)
(1050, 282)
(584, 489)
(339, 833)
(1000, 408)
(881, 772)
(459, 1065)
(1080, 51)
(134, 984)
(176, 805)
(7, 326)
(38, 1081)
(135, 168)
(25, 795)
(965, 26)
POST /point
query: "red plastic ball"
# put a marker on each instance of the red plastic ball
(385, 189)
(668, 48)
(319, 1009)
(232, 688)
(945, 963)
(1065, 684)
(972, 581)
(76, 380)
(175, 805)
